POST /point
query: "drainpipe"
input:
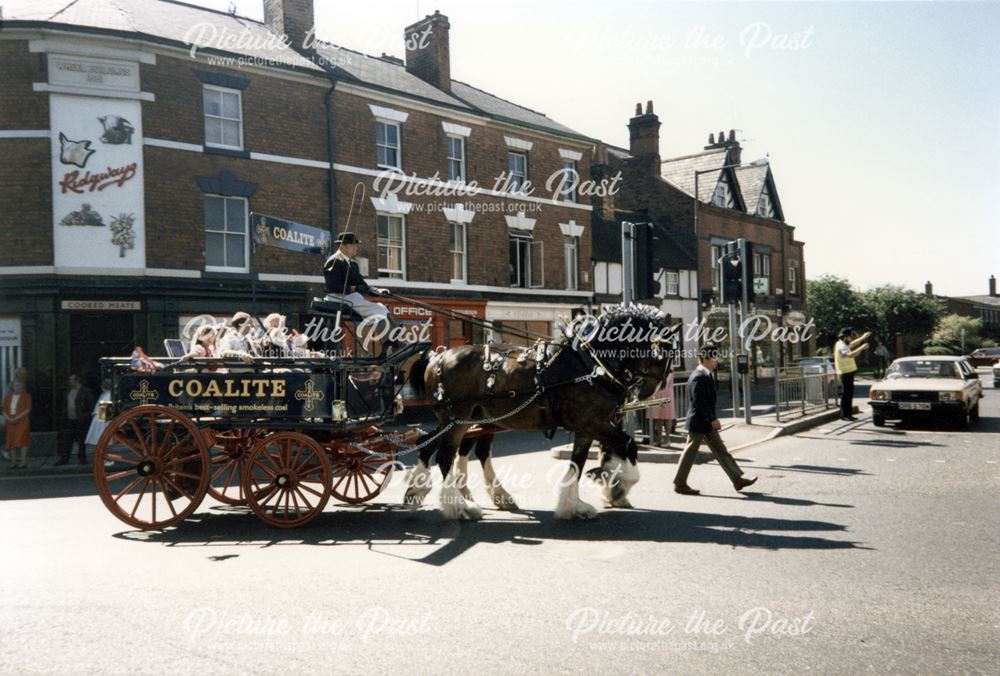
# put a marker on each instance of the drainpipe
(331, 176)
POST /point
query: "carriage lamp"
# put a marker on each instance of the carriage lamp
(105, 411)
(951, 396)
(338, 410)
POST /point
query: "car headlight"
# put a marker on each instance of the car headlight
(879, 395)
(951, 396)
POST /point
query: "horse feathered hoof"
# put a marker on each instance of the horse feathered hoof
(581, 510)
(502, 500)
(623, 503)
(456, 508)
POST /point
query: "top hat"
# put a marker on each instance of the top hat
(347, 238)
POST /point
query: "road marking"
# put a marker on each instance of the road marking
(891, 459)
(939, 461)
(842, 459)
(991, 462)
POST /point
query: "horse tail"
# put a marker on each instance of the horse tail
(416, 375)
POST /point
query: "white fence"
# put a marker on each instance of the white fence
(799, 391)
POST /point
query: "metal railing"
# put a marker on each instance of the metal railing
(799, 391)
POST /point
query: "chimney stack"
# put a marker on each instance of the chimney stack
(428, 55)
(644, 135)
(993, 285)
(929, 289)
(730, 144)
(292, 18)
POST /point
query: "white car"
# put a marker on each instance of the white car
(924, 387)
(996, 374)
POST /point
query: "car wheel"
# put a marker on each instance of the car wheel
(878, 420)
(996, 383)
(974, 413)
(963, 419)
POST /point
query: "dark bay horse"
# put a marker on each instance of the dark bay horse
(577, 382)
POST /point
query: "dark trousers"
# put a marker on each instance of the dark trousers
(847, 395)
(75, 434)
(719, 450)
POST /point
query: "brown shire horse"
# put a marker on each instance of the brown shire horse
(577, 382)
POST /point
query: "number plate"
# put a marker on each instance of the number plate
(914, 406)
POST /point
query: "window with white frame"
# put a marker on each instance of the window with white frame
(793, 278)
(526, 260)
(226, 241)
(456, 159)
(223, 117)
(391, 246)
(458, 241)
(673, 283)
(761, 264)
(569, 180)
(571, 262)
(517, 169)
(387, 144)
(607, 278)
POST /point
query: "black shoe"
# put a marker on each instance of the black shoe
(741, 483)
(685, 490)
(61, 461)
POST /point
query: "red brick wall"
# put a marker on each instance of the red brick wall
(20, 106)
(26, 196)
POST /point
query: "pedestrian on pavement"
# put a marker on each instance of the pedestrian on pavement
(664, 417)
(20, 374)
(703, 426)
(882, 352)
(845, 351)
(17, 433)
(79, 408)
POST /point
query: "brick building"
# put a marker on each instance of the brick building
(735, 200)
(133, 163)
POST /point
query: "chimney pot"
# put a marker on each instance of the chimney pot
(993, 285)
(722, 137)
(638, 109)
(644, 136)
(711, 139)
(929, 289)
(649, 107)
(732, 135)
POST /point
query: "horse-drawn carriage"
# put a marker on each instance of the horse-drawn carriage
(283, 435)
(280, 435)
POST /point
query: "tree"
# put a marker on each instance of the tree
(895, 311)
(949, 334)
(834, 304)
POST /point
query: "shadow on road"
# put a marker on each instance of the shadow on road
(392, 530)
(820, 469)
(782, 500)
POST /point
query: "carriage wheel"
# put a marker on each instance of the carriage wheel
(226, 455)
(358, 475)
(159, 474)
(286, 478)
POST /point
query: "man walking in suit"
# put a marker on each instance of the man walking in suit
(79, 409)
(703, 426)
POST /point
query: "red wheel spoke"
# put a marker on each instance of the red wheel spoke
(177, 487)
(118, 458)
(167, 498)
(311, 470)
(364, 480)
(186, 475)
(337, 485)
(288, 494)
(153, 446)
(218, 472)
(127, 489)
(138, 500)
(137, 449)
(272, 473)
(311, 490)
(298, 454)
(119, 475)
(140, 437)
(185, 443)
(166, 437)
(305, 502)
(295, 502)
(153, 494)
(232, 474)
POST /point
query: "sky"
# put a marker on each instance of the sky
(881, 120)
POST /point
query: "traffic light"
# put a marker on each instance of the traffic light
(737, 271)
(646, 285)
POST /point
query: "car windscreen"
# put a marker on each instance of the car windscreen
(924, 369)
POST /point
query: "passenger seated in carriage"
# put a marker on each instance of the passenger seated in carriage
(235, 341)
(344, 284)
(202, 343)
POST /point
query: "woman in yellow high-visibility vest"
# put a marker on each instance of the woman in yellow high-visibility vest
(844, 352)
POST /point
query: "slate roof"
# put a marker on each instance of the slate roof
(171, 21)
(680, 171)
(752, 180)
(161, 20)
(985, 300)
